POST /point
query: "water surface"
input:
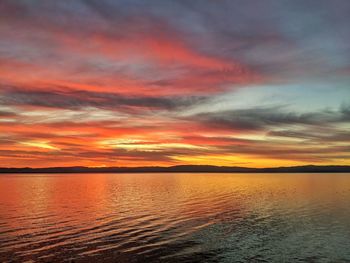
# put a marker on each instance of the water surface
(175, 217)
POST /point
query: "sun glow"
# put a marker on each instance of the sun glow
(144, 145)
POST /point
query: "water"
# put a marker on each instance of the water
(175, 217)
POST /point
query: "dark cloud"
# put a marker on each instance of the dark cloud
(315, 135)
(345, 111)
(75, 99)
(263, 118)
(7, 114)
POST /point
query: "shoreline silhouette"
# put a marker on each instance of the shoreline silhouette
(183, 168)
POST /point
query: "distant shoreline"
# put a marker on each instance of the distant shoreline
(184, 169)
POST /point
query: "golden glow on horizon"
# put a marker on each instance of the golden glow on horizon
(236, 160)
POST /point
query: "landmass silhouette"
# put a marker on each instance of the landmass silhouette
(183, 169)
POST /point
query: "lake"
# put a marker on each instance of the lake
(168, 217)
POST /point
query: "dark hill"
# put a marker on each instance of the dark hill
(182, 168)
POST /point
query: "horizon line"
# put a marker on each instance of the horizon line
(178, 168)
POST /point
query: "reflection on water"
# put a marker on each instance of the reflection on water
(175, 217)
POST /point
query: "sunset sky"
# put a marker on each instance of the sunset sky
(143, 83)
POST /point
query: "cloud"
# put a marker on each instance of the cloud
(264, 118)
(256, 119)
(316, 135)
(77, 99)
(7, 114)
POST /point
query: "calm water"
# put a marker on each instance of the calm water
(175, 217)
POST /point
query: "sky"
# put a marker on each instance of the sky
(169, 82)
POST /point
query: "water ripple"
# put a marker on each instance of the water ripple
(175, 218)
